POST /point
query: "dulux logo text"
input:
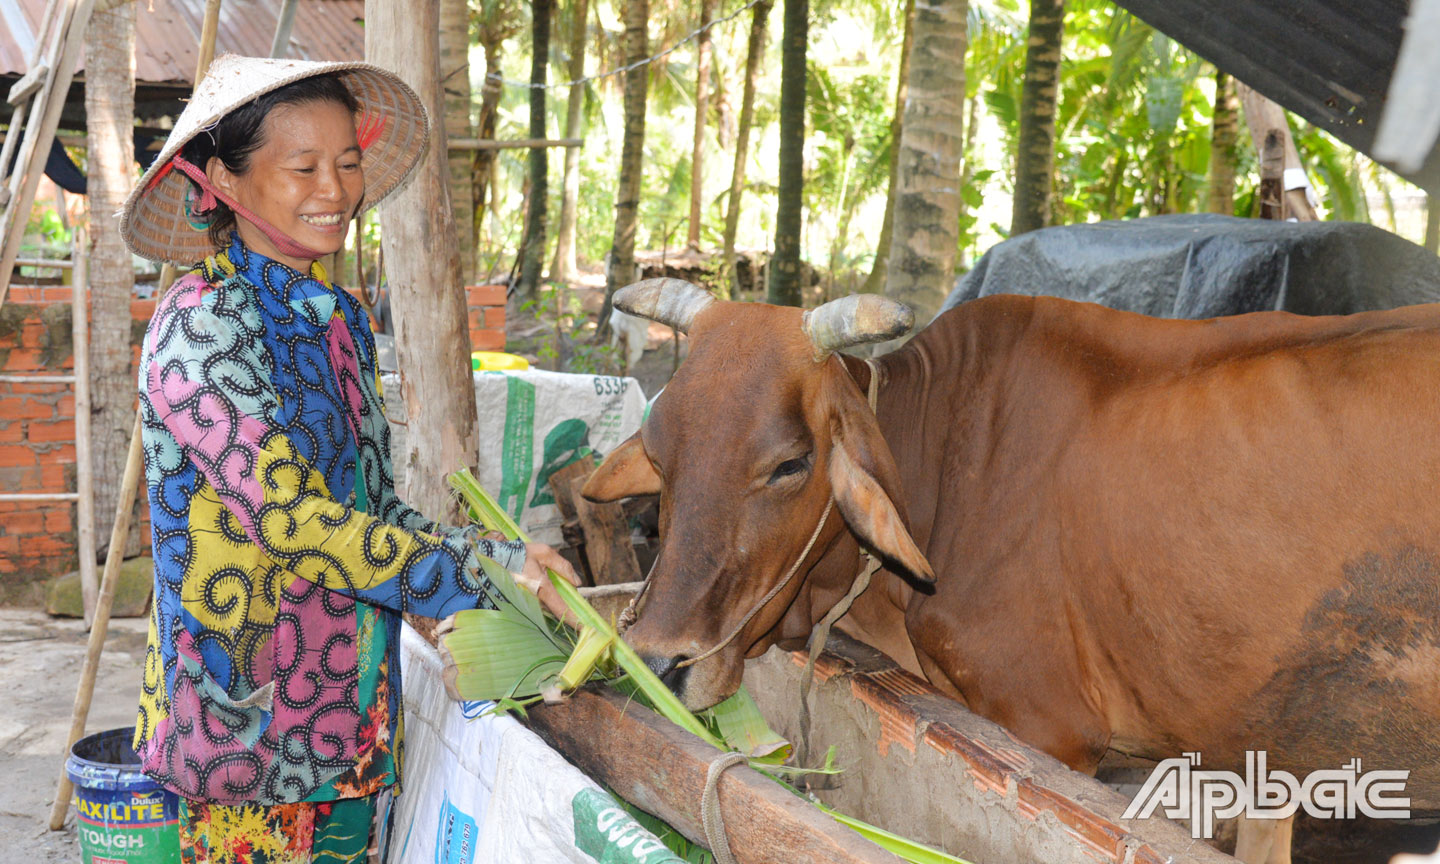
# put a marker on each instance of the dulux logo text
(1202, 797)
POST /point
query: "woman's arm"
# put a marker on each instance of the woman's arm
(207, 383)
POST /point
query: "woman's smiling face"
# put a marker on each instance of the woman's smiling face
(305, 179)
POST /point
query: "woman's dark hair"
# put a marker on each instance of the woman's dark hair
(241, 132)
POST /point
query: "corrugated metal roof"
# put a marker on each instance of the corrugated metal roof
(1329, 61)
(167, 34)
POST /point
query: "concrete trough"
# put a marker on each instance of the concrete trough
(919, 764)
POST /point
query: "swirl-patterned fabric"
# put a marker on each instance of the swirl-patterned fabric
(282, 553)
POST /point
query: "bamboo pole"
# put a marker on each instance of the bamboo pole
(36, 144)
(516, 144)
(84, 461)
(282, 28)
(120, 532)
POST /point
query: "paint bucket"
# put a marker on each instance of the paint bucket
(124, 817)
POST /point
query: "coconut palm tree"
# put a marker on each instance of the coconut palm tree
(620, 268)
(927, 203)
(1035, 151)
(784, 281)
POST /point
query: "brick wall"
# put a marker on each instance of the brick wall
(37, 438)
(487, 317)
(37, 427)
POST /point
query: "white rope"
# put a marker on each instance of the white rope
(711, 818)
(821, 633)
(495, 76)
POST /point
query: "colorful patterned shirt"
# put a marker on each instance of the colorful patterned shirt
(267, 458)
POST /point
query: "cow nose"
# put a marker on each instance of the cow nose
(668, 670)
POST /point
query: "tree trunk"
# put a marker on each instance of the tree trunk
(1263, 116)
(620, 268)
(455, 78)
(532, 253)
(1035, 155)
(1432, 224)
(702, 108)
(927, 205)
(423, 269)
(754, 51)
(563, 267)
(109, 121)
(784, 287)
(875, 282)
(492, 39)
(1225, 131)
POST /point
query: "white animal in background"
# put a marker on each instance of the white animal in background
(633, 332)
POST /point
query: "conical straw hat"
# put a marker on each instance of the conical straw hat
(156, 221)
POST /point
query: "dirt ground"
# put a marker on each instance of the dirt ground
(40, 660)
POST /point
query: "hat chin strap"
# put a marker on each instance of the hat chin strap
(282, 241)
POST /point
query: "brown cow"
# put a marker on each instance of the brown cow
(1150, 535)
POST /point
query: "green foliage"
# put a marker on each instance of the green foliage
(564, 345)
(1133, 129)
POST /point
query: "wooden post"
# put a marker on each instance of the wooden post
(124, 507)
(563, 487)
(84, 462)
(86, 690)
(432, 340)
(1264, 117)
(608, 549)
(1272, 177)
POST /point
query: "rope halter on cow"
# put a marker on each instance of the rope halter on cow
(854, 320)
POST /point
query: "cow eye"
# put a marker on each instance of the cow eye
(789, 467)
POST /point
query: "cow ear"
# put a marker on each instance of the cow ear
(866, 485)
(625, 473)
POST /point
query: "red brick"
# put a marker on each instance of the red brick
(485, 295)
(57, 520)
(50, 431)
(30, 522)
(23, 294)
(495, 318)
(59, 294)
(24, 360)
(39, 387)
(9, 545)
(33, 333)
(141, 310)
(52, 478)
(11, 432)
(17, 456)
(45, 546)
(487, 340)
(26, 408)
(56, 453)
(65, 407)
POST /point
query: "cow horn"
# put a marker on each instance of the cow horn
(669, 301)
(856, 320)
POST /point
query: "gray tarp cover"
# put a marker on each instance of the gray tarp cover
(1201, 266)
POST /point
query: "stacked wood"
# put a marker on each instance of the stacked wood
(601, 532)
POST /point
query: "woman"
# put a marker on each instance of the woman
(282, 555)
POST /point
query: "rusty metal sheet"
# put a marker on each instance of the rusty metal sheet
(167, 33)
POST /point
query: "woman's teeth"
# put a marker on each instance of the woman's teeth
(331, 219)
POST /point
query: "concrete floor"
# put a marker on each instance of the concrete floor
(40, 660)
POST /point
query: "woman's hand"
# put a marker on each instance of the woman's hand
(538, 557)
